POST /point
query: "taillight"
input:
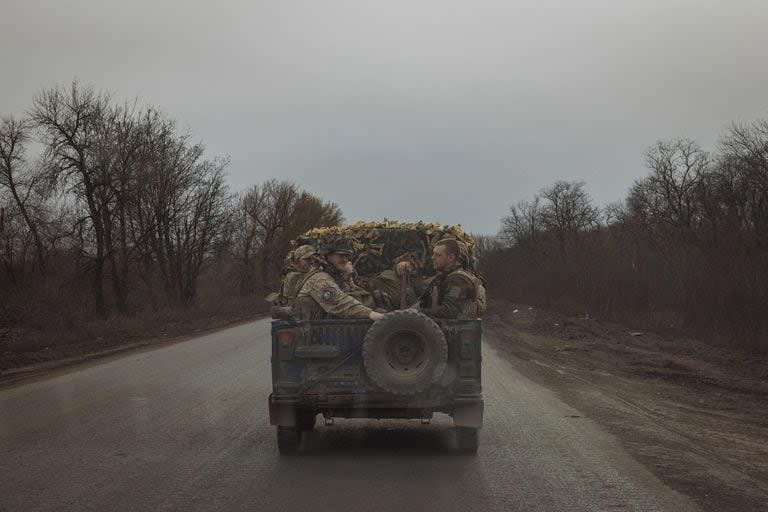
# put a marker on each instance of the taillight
(285, 345)
(468, 340)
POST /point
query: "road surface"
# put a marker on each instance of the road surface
(185, 427)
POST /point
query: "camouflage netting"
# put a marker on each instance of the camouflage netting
(378, 245)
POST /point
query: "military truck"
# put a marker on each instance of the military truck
(403, 366)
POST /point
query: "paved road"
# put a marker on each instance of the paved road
(185, 427)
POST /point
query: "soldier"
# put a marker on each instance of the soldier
(454, 292)
(296, 268)
(329, 287)
(387, 286)
(302, 258)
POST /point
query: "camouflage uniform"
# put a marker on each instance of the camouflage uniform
(385, 289)
(329, 293)
(322, 296)
(293, 279)
(292, 283)
(451, 294)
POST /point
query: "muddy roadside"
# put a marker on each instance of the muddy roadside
(694, 414)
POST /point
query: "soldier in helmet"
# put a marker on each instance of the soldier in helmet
(295, 271)
(454, 292)
(329, 288)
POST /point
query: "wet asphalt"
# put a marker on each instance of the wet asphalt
(185, 427)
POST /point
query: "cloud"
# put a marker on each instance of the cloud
(474, 105)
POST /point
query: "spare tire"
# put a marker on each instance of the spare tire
(404, 352)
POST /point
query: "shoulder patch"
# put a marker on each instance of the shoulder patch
(453, 292)
(328, 294)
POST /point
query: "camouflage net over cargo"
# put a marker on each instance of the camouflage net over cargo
(379, 245)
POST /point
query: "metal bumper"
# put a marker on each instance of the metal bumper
(467, 411)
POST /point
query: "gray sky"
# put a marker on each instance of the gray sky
(436, 110)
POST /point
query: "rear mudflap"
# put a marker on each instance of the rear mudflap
(468, 412)
(282, 412)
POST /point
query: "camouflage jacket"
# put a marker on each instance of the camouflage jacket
(452, 294)
(324, 295)
(292, 283)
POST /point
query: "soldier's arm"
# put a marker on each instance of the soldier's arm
(333, 299)
(415, 281)
(459, 292)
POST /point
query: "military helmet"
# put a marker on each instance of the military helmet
(304, 251)
(338, 244)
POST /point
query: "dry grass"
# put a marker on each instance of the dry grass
(52, 319)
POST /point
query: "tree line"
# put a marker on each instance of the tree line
(687, 248)
(109, 208)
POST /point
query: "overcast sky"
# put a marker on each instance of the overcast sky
(435, 110)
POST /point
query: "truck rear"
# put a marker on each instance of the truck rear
(404, 366)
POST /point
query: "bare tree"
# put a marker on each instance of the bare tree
(309, 211)
(197, 216)
(158, 150)
(70, 121)
(523, 223)
(268, 217)
(743, 175)
(186, 210)
(567, 211)
(17, 178)
(245, 243)
(668, 197)
(486, 247)
(615, 213)
(270, 206)
(14, 239)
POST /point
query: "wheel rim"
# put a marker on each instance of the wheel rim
(407, 353)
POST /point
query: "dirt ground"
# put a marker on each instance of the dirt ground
(695, 414)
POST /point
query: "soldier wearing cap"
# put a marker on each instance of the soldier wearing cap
(295, 271)
(454, 292)
(328, 289)
(302, 259)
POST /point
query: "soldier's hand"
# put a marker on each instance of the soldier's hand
(404, 267)
(375, 315)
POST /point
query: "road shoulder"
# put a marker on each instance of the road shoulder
(694, 414)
